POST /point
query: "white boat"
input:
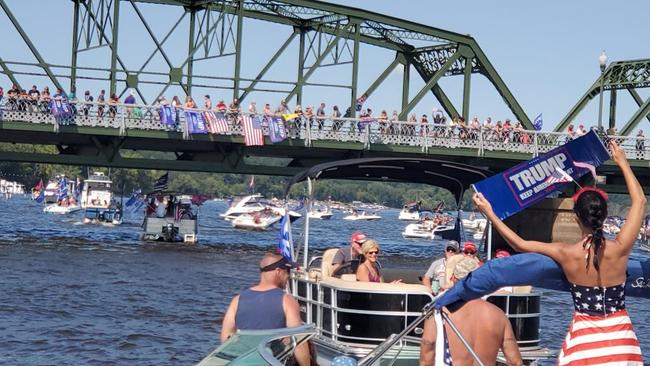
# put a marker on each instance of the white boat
(356, 216)
(254, 203)
(259, 220)
(97, 201)
(410, 212)
(424, 230)
(323, 213)
(55, 208)
(475, 224)
(181, 225)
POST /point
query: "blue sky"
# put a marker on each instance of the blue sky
(546, 51)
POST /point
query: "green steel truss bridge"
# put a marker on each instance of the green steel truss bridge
(320, 36)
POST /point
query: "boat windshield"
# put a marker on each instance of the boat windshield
(99, 185)
(267, 347)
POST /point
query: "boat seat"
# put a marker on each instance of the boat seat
(349, 277)
(326, 262)
(399, 288)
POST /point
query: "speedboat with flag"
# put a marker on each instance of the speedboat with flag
(428, 228)
(66, 200)
(257, 220)
(97, 201)
(170, 218)
(410, 211)
(320, 213)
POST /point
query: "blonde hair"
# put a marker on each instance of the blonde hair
(368, 246)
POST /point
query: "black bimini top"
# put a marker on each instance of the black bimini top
(455, 177)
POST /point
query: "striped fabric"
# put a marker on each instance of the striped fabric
(216, 122)
(601, 340)
(253, 135)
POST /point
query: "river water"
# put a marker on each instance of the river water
(74, 294)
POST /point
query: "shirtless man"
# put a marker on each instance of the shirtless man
(483, 325)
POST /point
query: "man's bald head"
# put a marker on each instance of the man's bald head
(269, 258)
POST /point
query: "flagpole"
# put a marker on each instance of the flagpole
(306, 231)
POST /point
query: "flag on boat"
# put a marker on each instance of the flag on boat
(77, 188)
(134, 198)
(63, 189)
(538, 122)
(41, 196)
(178, 212)
(199, 199)
(216, 122)
(277, 133)
(39, 186)
(252, 127)
(285, 245)
(162, 183)
(559, 176)
(138, 205)
(526, 183)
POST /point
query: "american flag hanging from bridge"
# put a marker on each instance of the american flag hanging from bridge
(252, 127)
(216, 121)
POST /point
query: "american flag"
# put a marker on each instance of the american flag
(442, 352)
(178, 212)
(253, 135)
(559, 176)
(217, 122)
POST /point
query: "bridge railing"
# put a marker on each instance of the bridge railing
(311, 129)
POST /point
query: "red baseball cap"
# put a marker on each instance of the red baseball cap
(358, 237)
(501, 253)
(469, 246)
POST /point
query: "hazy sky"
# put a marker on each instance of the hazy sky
(546, 51)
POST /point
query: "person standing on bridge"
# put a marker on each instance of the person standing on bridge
(601, 330)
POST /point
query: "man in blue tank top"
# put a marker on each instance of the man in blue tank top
(266, 305)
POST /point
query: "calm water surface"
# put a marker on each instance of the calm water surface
(74, 294)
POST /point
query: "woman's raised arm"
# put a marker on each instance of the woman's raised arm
(628, 234)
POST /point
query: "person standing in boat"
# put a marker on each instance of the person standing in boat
(596, 270)
(435, 278)
(266, 305)
(345, 256)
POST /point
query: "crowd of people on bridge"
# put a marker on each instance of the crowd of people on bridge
(436, 126)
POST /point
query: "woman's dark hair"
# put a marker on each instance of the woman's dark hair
(591, 209)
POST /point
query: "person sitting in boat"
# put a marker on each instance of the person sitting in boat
(434, 278)
(461, 264)
(161, 209)
(483, 325)
(369, 270)
(346, 260)
(266, 305)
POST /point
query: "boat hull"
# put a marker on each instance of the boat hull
(61, 210)
(166, 229)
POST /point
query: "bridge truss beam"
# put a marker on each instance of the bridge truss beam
(629, 75)
(329, 36)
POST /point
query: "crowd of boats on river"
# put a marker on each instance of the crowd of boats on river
(173, 216)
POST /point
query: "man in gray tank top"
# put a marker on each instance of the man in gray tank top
(266, 305)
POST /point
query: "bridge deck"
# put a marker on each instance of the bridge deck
(92, 138)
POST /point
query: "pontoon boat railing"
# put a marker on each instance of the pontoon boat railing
(365, 131)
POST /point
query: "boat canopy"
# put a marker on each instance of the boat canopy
(455, 177)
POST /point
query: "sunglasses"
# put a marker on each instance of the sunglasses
(452, 250)
(373, 252)
(469, 252)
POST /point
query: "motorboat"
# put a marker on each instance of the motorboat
(258, 220)
(424, 230)
(176, 221)
(363, 319)
(98, 203)
(361, 215)
(66, 202)
(55, 208)
(52, 189)
(254, 203)
(476, 224)
(320, 213)
(410, 212)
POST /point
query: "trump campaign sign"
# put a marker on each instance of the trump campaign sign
(531, 181)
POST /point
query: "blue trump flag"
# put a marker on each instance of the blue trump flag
(41, 196)
(285, 245)
(528, 182)
(538, 122)
(195, 122)
(134, 197)
(277, 133)
(167, 116)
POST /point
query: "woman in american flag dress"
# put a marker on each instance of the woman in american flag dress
(600, 331)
